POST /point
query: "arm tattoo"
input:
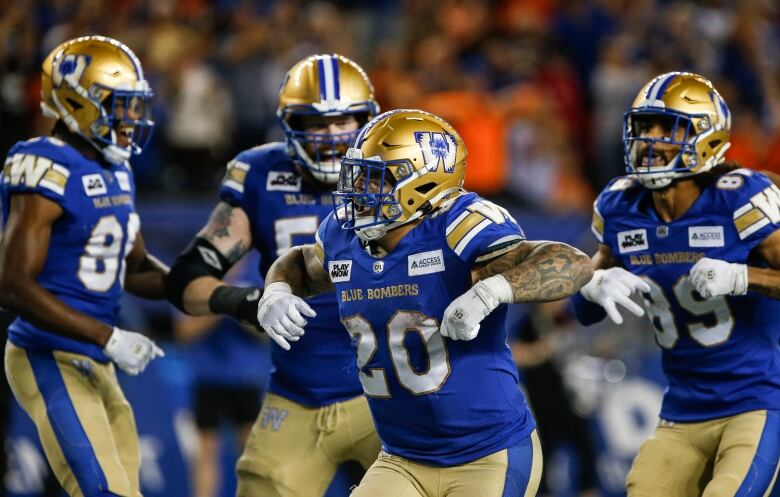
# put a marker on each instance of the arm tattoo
(236, 252)
(541, 271)
(219, 222)
(229, 231)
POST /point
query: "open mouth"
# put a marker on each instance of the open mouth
(657, 161)
(125, 136)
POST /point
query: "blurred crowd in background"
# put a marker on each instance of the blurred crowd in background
(537, 89)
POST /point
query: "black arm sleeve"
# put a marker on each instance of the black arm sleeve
(199, 259)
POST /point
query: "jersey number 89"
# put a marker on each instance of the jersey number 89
(713, 328)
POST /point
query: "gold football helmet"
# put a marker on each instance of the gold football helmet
(95, 85)
(693, 116)
(403, 165)
(325, 86)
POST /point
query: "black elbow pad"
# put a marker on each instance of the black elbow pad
(199, 259)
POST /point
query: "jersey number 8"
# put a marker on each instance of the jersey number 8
(100, 264)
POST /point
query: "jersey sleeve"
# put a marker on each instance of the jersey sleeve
(232, 189)
(36, 170)
(756, 204)
(480, 230)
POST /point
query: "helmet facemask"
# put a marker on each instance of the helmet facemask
(125, 125)
(320, 153)
(695, 125)
(650, 159)
(365, 199)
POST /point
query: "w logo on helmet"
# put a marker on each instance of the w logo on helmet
(69, 68)
(437, 148)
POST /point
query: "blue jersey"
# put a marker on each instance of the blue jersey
(85, 265)
(721, 356)
(434, 400)
(284, 212)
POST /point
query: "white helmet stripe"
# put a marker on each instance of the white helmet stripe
(657, 89)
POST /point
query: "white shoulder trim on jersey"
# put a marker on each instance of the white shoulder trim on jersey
(236, 175)
(503, 240)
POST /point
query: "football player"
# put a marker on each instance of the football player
(421, 270)
(71, 242)
(274, 197)
(699, 241)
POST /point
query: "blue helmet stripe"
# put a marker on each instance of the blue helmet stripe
(334, 60)
(658, 88)
(321, 74)
(665, 85)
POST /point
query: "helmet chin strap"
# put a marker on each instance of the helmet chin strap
(375, 232)
(116, 154)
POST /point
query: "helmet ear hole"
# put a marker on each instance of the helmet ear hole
(73, 103)
(423, 189)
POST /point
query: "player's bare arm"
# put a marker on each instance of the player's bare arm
(603, 258)
(767, 280)
(301, 268)
(145, 273)
(23, 253)
(296, 274)
(713, 277)
(198, 271)
(540, 271)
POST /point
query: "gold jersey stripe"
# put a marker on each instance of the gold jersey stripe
(55, 177)
(319, 251)
(598, 223)
(236, 174)
(462, 229)
(748, 219)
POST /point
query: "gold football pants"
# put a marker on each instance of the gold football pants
(735, 456)
(294, 451)
(85, 424)
(512, 472)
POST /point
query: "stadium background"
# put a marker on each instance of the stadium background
(537, 89)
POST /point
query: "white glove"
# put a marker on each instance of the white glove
(713, 277)
(279, 314)
(131, 351)
(615, 286)
(462, 317)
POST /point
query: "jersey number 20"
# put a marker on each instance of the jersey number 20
(402, 322)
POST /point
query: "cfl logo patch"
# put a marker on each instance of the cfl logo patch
(273, 417)
(437, 149)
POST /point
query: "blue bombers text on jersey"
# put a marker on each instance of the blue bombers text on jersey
(284, 212)
(422, 387)
(721, 355)
(85, 265)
